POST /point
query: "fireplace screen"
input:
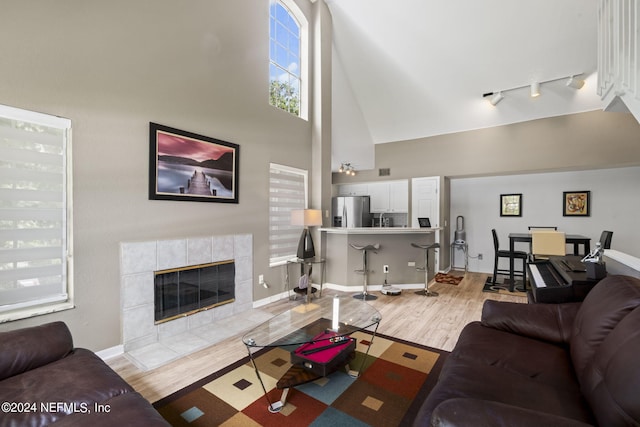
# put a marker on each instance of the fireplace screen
(184, 291)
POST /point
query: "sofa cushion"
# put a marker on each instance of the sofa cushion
(80, 379)
(129, 409)
(532, 359)
(548, 322)
(477, 412)
(611, 382)
(30, 348)
(499, 366)
(613, 298)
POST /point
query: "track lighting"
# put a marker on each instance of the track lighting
(535, 89)
(573, 81)
(347, 169)
(497, 97)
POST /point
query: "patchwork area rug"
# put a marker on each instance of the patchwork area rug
(448, 278)
(396, 378)
(502, 287)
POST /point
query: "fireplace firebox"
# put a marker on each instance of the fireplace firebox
(187, 290)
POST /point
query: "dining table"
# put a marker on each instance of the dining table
(573, 239)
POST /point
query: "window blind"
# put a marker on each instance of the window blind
(34, 244)
(287, 191)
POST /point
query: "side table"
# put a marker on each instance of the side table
(306, 267)
(465, 252)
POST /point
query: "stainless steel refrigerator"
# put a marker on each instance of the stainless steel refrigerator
(351, 211)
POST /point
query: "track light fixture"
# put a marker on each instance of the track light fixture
(535, 89)
(497, 97)
(347, 169)
(573, 81)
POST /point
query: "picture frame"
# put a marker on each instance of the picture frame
(185, 166)
(576, 203)
(511, 204)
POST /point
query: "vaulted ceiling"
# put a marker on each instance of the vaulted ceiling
(408, 69)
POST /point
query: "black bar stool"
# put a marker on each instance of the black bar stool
(364, 295)
(426, 292)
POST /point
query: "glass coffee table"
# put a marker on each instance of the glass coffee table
(337, 317)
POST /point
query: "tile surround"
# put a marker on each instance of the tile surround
(149, 345)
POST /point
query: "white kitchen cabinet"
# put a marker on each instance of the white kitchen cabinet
(353, 190)
(399, 196)
(379, 193)
(389, 196)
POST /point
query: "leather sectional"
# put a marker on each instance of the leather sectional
(45, 380)
(571, 364)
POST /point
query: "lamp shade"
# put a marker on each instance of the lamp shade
(306, 217)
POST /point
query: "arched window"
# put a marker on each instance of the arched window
(287, 57)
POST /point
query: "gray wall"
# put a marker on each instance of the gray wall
(615, 201)
(112, 67)
(591, 140)
(579, 141)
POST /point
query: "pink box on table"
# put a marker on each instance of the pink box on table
(325, 353)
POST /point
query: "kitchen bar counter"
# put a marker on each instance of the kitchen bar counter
(379, 230)
(395, 251)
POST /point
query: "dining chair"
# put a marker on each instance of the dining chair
(500, 253)
(540, 227)
(547, 243)
(605, 239)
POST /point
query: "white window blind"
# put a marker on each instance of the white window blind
(287, 191)
(34, 243)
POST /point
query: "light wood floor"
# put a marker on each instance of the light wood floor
(433, 321)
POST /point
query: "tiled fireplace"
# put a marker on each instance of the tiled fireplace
(169, 340)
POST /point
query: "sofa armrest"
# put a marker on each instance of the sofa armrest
(476, 412)
(549, 322)
(29, 348)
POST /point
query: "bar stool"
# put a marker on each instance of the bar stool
(364, 295)
(426, 292)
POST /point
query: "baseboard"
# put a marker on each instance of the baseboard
(374, 288)
(110, 353)
(273, 298)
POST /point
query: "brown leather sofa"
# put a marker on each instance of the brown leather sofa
(45, 380)
(572, 364)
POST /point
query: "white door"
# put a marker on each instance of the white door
(425, 203)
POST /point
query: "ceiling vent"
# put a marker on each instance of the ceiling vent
(384, 172)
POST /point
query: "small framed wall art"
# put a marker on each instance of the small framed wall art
(189, 167)
(576, 203)
(511, 205)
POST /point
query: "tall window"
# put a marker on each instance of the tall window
(34, 202)
(287, 57)
(287, 191)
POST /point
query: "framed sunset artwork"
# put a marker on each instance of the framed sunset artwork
(189, 167)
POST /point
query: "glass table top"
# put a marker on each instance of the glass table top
(298, 325)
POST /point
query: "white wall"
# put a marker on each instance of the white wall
(615, 203)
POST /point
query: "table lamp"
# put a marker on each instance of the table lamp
(307, 218)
